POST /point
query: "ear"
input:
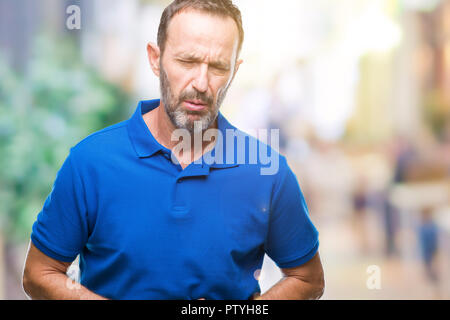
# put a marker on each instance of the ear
(238, 63)
(154, 54)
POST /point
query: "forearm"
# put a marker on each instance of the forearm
(291, 288)
(58, 286)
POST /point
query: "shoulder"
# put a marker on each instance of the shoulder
(100, 143)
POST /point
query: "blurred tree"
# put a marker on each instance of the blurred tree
(44, 111)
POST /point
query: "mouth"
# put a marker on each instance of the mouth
(195, 105)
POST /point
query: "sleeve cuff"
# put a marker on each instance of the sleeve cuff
(301, 260)
(48, 252)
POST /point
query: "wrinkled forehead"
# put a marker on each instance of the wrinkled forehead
(192, 29)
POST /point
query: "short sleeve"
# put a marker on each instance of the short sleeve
(60, 230)
(292, 239)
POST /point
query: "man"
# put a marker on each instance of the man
(150, 221)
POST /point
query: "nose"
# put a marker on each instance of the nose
(201, 80)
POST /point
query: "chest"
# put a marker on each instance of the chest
(157, 214)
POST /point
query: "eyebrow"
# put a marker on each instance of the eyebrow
(215, 64)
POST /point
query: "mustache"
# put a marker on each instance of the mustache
(195, 95)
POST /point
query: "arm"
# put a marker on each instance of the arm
(45, 278)
(303, 282)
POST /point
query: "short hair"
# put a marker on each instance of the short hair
(224, 8)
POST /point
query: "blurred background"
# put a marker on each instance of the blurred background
(359, 88)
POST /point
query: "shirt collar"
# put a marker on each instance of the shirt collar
(142, 139)
(146, 145)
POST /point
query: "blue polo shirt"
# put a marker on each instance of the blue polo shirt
(144, 228)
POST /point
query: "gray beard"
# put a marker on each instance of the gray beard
(178, 116)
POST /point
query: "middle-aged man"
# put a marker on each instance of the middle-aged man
(152, 221)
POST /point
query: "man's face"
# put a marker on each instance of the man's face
(197, 67)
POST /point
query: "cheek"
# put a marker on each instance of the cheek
(218, 85)
(178, 83)
(178, 78)
(221, 89)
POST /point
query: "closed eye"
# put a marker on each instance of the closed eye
(187, 61)
(219, 67)
(223, 69)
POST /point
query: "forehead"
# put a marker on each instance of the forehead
(198, 32)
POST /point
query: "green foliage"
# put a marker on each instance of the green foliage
(43, 113)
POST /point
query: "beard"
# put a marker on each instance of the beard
(179, 116)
